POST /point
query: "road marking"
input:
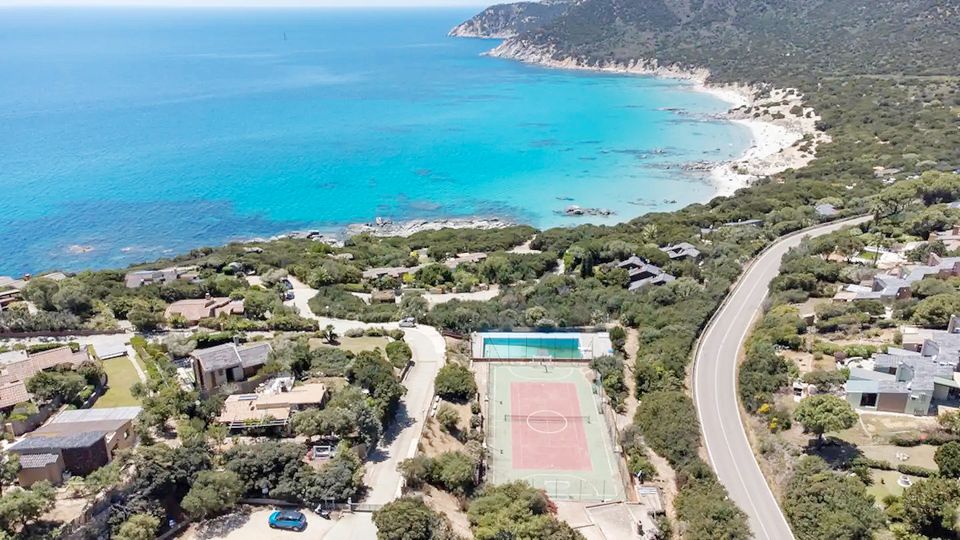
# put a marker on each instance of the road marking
(723, 430)
(778, 250)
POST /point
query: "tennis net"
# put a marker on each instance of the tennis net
(544, 419)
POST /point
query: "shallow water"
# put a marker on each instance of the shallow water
(142, 133)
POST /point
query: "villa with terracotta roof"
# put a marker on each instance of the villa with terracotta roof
(16, 368)
(272, 406)
(201, 308)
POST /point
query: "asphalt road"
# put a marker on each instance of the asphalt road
(715, 389)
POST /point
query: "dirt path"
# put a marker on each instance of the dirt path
(666, 477)
(524, 247)
(631, 348)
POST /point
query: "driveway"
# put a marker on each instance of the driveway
(400, 440)
(715, 388)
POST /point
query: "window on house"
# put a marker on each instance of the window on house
(868, 400)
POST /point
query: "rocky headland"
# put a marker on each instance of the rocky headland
(508, 20)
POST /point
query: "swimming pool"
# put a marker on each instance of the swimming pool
(560, 347)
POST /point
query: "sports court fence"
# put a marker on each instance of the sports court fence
(559, 488)
(610, 417)
(558, 485)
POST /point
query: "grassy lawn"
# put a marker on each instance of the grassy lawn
(885, 483)
(120, 377)
(354, 344)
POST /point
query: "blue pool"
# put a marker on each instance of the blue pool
(531, 347)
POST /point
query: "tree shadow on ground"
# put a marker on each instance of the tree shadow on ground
(378, 455)
(40, 530)
(223, 525)
(836, 452)
(401, 420)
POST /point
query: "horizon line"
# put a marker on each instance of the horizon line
(233, 4)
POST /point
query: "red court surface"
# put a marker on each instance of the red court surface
(547, 440)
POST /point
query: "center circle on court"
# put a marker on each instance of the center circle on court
(560, 425)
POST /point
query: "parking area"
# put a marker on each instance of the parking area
(252, 524)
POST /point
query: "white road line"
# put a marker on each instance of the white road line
(738, 304)
(733, 376)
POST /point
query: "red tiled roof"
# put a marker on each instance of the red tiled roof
(24, 369)
(13, 393)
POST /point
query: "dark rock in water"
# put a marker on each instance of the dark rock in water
(577, 211)
(564, 198)
(699, 166)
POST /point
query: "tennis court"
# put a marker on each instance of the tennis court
(544, 426)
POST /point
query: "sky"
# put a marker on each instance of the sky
(250, 3)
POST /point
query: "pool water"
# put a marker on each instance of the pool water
(531, 347)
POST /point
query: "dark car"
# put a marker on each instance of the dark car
(289, 520)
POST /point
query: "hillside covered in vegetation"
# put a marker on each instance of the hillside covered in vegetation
(508, 20)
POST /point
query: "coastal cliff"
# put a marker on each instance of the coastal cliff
(508, 20)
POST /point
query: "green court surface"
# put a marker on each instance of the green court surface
(544, 426)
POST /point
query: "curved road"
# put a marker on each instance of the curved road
(715, 388)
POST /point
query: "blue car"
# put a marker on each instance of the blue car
(289, 520)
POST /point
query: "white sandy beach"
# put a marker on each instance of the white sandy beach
(775, 129)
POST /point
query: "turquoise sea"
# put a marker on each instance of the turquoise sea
(141, 133)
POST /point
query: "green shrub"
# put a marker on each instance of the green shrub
(455, 382)
(878, 464)
(669, 424)
(448, 418)
(916, 470)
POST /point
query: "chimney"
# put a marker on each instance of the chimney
(953, 325)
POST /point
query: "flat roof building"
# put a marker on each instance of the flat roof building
(78, 441)
(914, 379)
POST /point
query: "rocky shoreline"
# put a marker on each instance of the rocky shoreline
(386, 227)
(783, 130)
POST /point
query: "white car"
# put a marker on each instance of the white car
(408, 322)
